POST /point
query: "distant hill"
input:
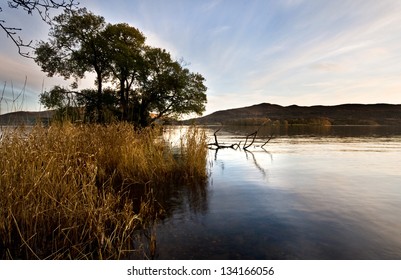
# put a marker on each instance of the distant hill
(27, 118)
(346, 114)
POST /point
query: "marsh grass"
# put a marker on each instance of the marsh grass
(66, 190)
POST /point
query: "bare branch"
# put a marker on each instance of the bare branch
(253, 139)
(268, 140)
(248, 143)
(219, 146)
(41, 7)
(11, 32)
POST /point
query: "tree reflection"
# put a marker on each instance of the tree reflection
(262, 170)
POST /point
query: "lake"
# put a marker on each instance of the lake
(310, 193)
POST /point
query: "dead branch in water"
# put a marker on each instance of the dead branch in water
(253, 139)
(235, 146)
(219, 146)
(270, 138)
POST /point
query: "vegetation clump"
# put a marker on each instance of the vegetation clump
(145, 83)
(66, 190)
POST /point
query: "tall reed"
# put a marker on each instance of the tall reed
(65, 190)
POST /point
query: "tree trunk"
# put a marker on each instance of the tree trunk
(99, 101)
(123, 101)
(144, 114)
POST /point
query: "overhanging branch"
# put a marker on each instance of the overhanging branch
(11, 32)
(43, 8)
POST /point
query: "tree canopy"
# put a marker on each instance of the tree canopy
(147, 83)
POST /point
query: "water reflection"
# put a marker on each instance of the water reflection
(263, 170)
(303, 197)
(164, 203)
(315, 130)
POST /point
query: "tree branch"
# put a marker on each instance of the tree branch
(43, 8)
(219, 146)
(253, 140)
(11, 32)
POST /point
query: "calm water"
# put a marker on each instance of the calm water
(331, 194)
(322, 193)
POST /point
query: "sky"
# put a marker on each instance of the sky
(303, 52)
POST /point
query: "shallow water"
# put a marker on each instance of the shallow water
(328, 196)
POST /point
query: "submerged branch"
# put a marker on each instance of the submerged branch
(219, 146)
(235, 146)
(268, 140)
(253, 139)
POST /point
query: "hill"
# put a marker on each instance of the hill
(345, 114)
(27, 118)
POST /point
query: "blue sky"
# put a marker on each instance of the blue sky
(303, 52)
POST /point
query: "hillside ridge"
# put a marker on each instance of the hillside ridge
(26, 117)
(343, 114)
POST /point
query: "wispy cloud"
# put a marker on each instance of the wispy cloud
(327, 66)
(210, 5)
(287, 52)
(219, 29)
(345, 53)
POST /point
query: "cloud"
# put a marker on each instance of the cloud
(17, 68)
(353, 47)
(220, 29)
(210, 5)
(318, 84)
(327, 66)
(291, 3)
(287, 52)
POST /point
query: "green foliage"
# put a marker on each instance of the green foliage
(75, 46)
(53, 99)
(63, 102)
(125, 58)
(165, 87)
(147, 80)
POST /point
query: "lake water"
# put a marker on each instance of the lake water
(311, 193)
(332, 193)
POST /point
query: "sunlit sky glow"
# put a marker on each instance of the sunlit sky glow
(303, 52)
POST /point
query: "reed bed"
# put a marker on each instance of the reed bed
(66, 190)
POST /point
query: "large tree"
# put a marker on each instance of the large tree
(166, 87)
(126, 48)
(77, 46)
(148, 81)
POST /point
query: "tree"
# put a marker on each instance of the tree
(76, 46)
(87, 99)
(148, 81)
(126, 47)
(41, 7)
(63, 101)
(166, 88)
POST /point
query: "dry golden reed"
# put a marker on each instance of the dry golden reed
(64, 189)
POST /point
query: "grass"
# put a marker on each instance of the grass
(66, 191)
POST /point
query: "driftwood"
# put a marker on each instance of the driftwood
(220, 146)
(235, 146)
(253, 139)
(268, 140)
